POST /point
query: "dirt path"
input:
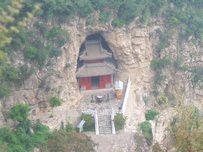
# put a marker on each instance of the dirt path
(121, 142)
(135, 110)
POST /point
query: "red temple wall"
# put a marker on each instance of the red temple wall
(87, 83)
(103, 80)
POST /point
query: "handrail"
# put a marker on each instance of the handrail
(96, 123)
(126, 96)
(112, 122)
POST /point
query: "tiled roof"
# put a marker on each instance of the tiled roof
(94, 51)
(95, 69)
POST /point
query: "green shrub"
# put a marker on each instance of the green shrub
(197, 73)
(69, 127)
(4, 91)
(161, 99)
(158, 64)
(3, 147)
(55, 101)
(158, 78)
(42, 56)
(19, 112)
(25, 72)
(83, 7)
(89, 122)
(128, 11)
(147, 131)
(30, 53)
(41, 134)
(104, 17)
(151, 114)
(10, 73)
(62, 141)
(26, 135)
(118, 23)
(119, 121)
(163, 41)
(3, 57)
(58, 36)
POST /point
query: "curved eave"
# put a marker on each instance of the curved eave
(95, 70)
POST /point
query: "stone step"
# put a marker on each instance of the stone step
(105, 132)
(104, 124)
(105, 129)
(104, 118)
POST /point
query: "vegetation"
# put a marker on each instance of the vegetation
(147, 131)
(158, 64)
(68, 141)
(19, 112)
(183, 14)
(151, 114)
(42, 41)
(187, 128)
(196, 77)
(11, 22)
(54, 102)
(69, 127)
(26, 135)
(119, 121)
(11, 25)
(156, 148)
(161, 99)
(42, 38)
(89, 122)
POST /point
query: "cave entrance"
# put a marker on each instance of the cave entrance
(96, 66)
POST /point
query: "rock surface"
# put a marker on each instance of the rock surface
(132, 48)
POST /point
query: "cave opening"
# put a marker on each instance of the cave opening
(96, 65)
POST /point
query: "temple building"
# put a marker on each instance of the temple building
(97, 69)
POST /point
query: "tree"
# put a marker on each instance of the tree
(3, 147)
(119, 121)
(10, 73)
(54, 102)
(147, 131)
(8, 22)
(13, 17)
(68, 142)
(89, 122)
(26, 135)
(19, 112)
(151, 114)
(187, 129)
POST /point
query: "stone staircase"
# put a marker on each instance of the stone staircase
(104, 122)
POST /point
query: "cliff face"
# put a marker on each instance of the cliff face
(132, 48)
(181, 81)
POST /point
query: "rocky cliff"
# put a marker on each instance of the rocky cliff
(132, 47)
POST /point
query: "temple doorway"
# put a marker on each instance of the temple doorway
(95, 82)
